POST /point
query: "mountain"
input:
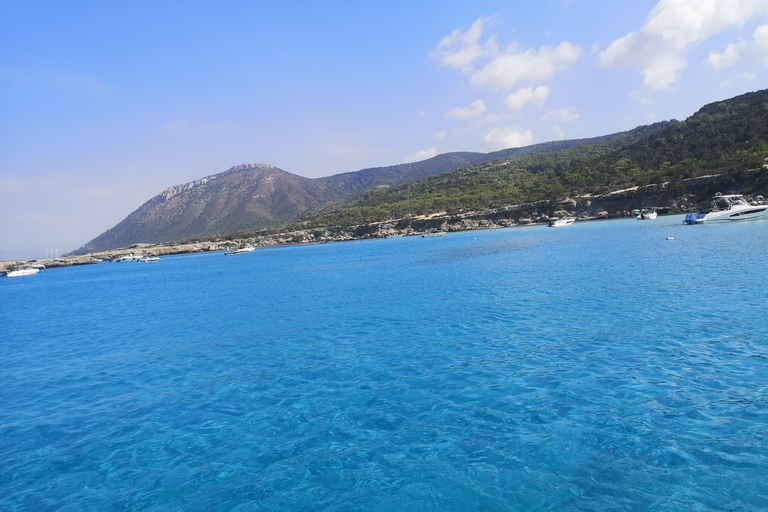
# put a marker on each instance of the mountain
(722, 137)
(256, 196)
(239, 198)
(726, 137)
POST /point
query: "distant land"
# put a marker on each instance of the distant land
(255, 196)
(725, 138)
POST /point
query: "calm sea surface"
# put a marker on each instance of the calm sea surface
(594, 367)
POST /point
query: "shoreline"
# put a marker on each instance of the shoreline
(373, 231)
(677, 198)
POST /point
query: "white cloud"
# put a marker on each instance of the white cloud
(424, 154)
(559, 133)
(439, 135)
(504, 67)
(756, 51)
(460, 49)
(503, 138)
(759, 46)
(475, 109)
(563, 115)
(746, 77)
(729, 57)
(517, 100)
(671, 29)
(516, 66)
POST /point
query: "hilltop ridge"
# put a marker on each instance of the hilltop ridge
(255, 196)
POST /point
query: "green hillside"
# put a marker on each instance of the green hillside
(722, 137)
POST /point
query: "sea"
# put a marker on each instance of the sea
(609, 365)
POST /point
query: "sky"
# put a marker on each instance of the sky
(103, 105)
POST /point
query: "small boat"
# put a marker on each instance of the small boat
(558, 223)
(26, 271)
(728, 207)
(646, 213)
(148, 259)
(433, 235)
(234, 250)
(127, 257)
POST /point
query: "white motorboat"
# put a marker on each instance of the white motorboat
(26, 271)
(646, 213)
(728, 207)
(148, 259)
(127, 257)
(559, 223)
(233, 250)
(433, 235)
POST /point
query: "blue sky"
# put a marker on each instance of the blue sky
(103, 105)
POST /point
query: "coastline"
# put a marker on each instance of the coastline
(669, 198)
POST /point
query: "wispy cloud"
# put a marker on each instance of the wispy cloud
(506, 137)
(460, 50)
(424, 154)
(563, 115)
(503, 67)
(671, 29)
(439, 135)
(756, 50)
(475, 109)
(744, 77)
(522, 97)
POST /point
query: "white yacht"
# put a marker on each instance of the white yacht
(148, 259)
(235, 250)
(26, 271)
(646, 213)
(127, 257)
(728, 207)
(558, 223)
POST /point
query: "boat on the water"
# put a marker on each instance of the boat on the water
(433, 235)
(234, 250)
(127, 257)
(646, 213)
(728, 207)
(26, 271)
(148, 259)
(559, 223)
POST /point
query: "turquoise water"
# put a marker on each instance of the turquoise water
(594, 367)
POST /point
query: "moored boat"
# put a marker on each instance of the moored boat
(234, 250)
(646, 213)
(558, 223)
(26, 271)
(127, 257)
(728, 207)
